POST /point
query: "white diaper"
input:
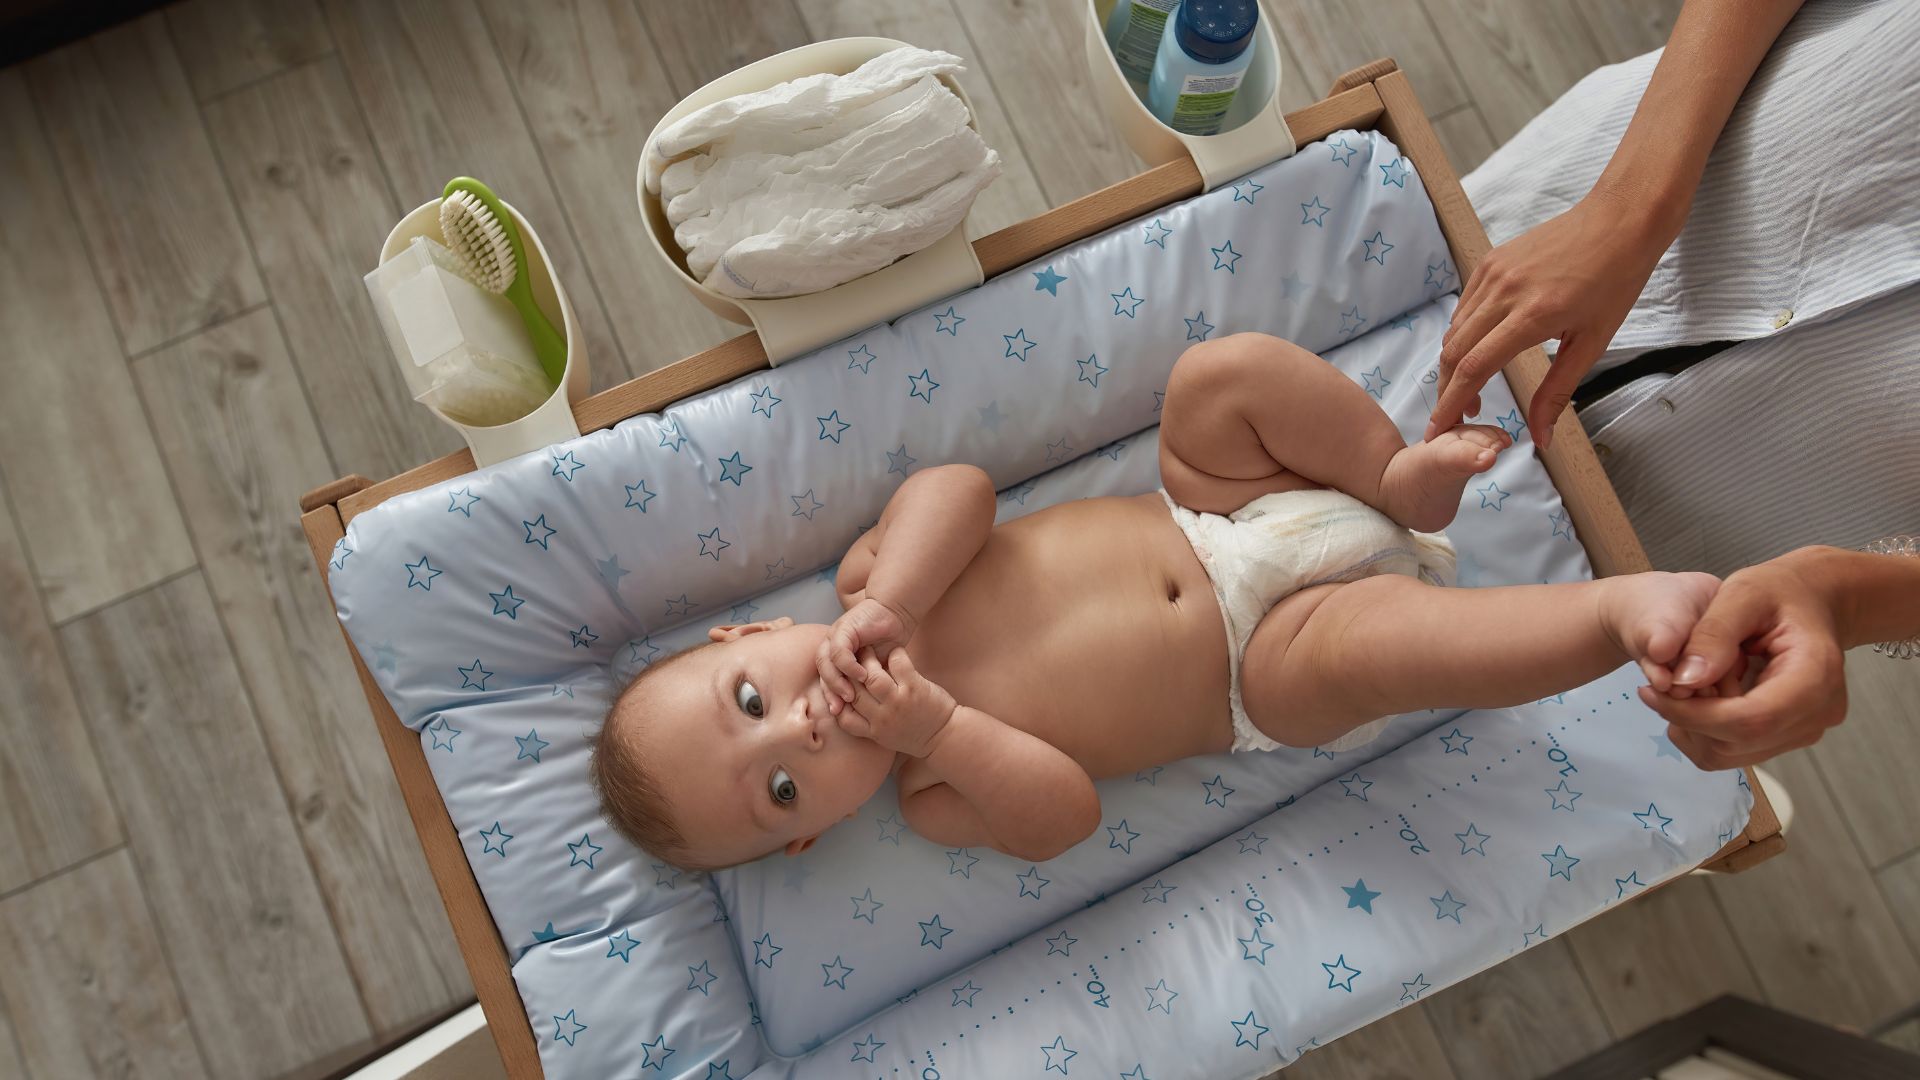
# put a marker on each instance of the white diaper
(1282, 543)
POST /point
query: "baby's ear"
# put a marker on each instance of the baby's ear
(737, 631)
(795, 847)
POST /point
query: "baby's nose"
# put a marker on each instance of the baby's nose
(803, 722)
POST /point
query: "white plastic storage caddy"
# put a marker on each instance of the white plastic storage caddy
(790, 326)
(1254, 133)
(552, 421)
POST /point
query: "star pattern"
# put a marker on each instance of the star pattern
(1559, 863)
(1250, 843)
(1446, 907)
(1125, 303)
(865, 906)
(1654, 819)
(711, 544)
(764, 401)
(934, 934)
(654, 1054)
(1058, 1054)
(1017, 344)
(567, 1028)
(461, 501)
(732, 468)
(764, 950)
(899, 461)
(1245, 190)
(960, 861)
(621, 945)
(863, 1049)
(964, 993)
(923, 386)
(1340, 974)
(1156, 892)
(1217, 791)
(1091, 369)
(1061, 943)
(832, 427)
(1198, 327)
(1557, 794)
(1157, 234)
(1247, 1032)
(861, 360)
(1160, 997)
(1031, 882)
(1375, 382)
(836, 974)
(475, 677)
(565, 465)
(1359, 896)
(1119, 836)
(584, 852)
(1342, 152)
(948, 322)
(505, 603)
(1046, 280)
(1456, 742)
(420, 575)
(1377, 248)
(494, 840)
(1491, 496)
(530, 745)
(1255, 947)
(1225, 258)
(1395, 173)
(1472, 840)
(700, 978)
(443, 733)
(890, 828)
(638, 496)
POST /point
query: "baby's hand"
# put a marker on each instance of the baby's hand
(897, 707)
(868, 624)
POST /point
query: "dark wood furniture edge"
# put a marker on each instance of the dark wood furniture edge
(1765, 1036)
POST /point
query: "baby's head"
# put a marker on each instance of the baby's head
(726, 752)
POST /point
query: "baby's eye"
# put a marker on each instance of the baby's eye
(782, 787)
(749, 700)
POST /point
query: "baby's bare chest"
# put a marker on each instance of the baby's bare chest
(1093, 626)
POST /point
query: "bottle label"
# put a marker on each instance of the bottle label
(1146, 21)
(1203, 102)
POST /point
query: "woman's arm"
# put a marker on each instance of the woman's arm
(1575, 276)
(1711, 55)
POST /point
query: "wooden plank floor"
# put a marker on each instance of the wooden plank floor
(203, 860)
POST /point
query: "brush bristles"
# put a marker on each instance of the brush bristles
(472, 233)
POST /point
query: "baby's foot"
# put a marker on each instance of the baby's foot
(1650, 616)
(1422, 485)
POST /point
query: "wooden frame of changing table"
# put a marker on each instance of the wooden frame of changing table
(1376, 95)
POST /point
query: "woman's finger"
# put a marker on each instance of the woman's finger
(1478, 363)
(1576, 357)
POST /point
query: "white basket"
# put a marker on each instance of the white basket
(552, 421)
(1254, 133)
(791, 326)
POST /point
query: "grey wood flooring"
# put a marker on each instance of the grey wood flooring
(205, 869)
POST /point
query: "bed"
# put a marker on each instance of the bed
(1231, 913)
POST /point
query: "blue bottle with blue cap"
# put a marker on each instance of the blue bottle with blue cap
(1204, 54)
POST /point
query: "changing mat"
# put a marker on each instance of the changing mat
(1229, 914)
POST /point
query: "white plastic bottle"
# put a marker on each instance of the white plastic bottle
(1133, 33)
(1205, 49)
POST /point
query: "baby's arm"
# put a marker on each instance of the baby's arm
(971, 779)
(894, 574)
(987, 782)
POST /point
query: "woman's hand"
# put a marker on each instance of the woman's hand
(1573, 277)
(1781, 611)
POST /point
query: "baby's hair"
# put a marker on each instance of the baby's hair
(630, 795)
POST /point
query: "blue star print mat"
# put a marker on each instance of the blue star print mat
(1230, 913)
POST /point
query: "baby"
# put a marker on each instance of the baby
(1284, 589)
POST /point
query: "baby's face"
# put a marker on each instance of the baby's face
(745, 751)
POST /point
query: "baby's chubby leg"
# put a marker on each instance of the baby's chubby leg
(1251, 414)
(1328, 659)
